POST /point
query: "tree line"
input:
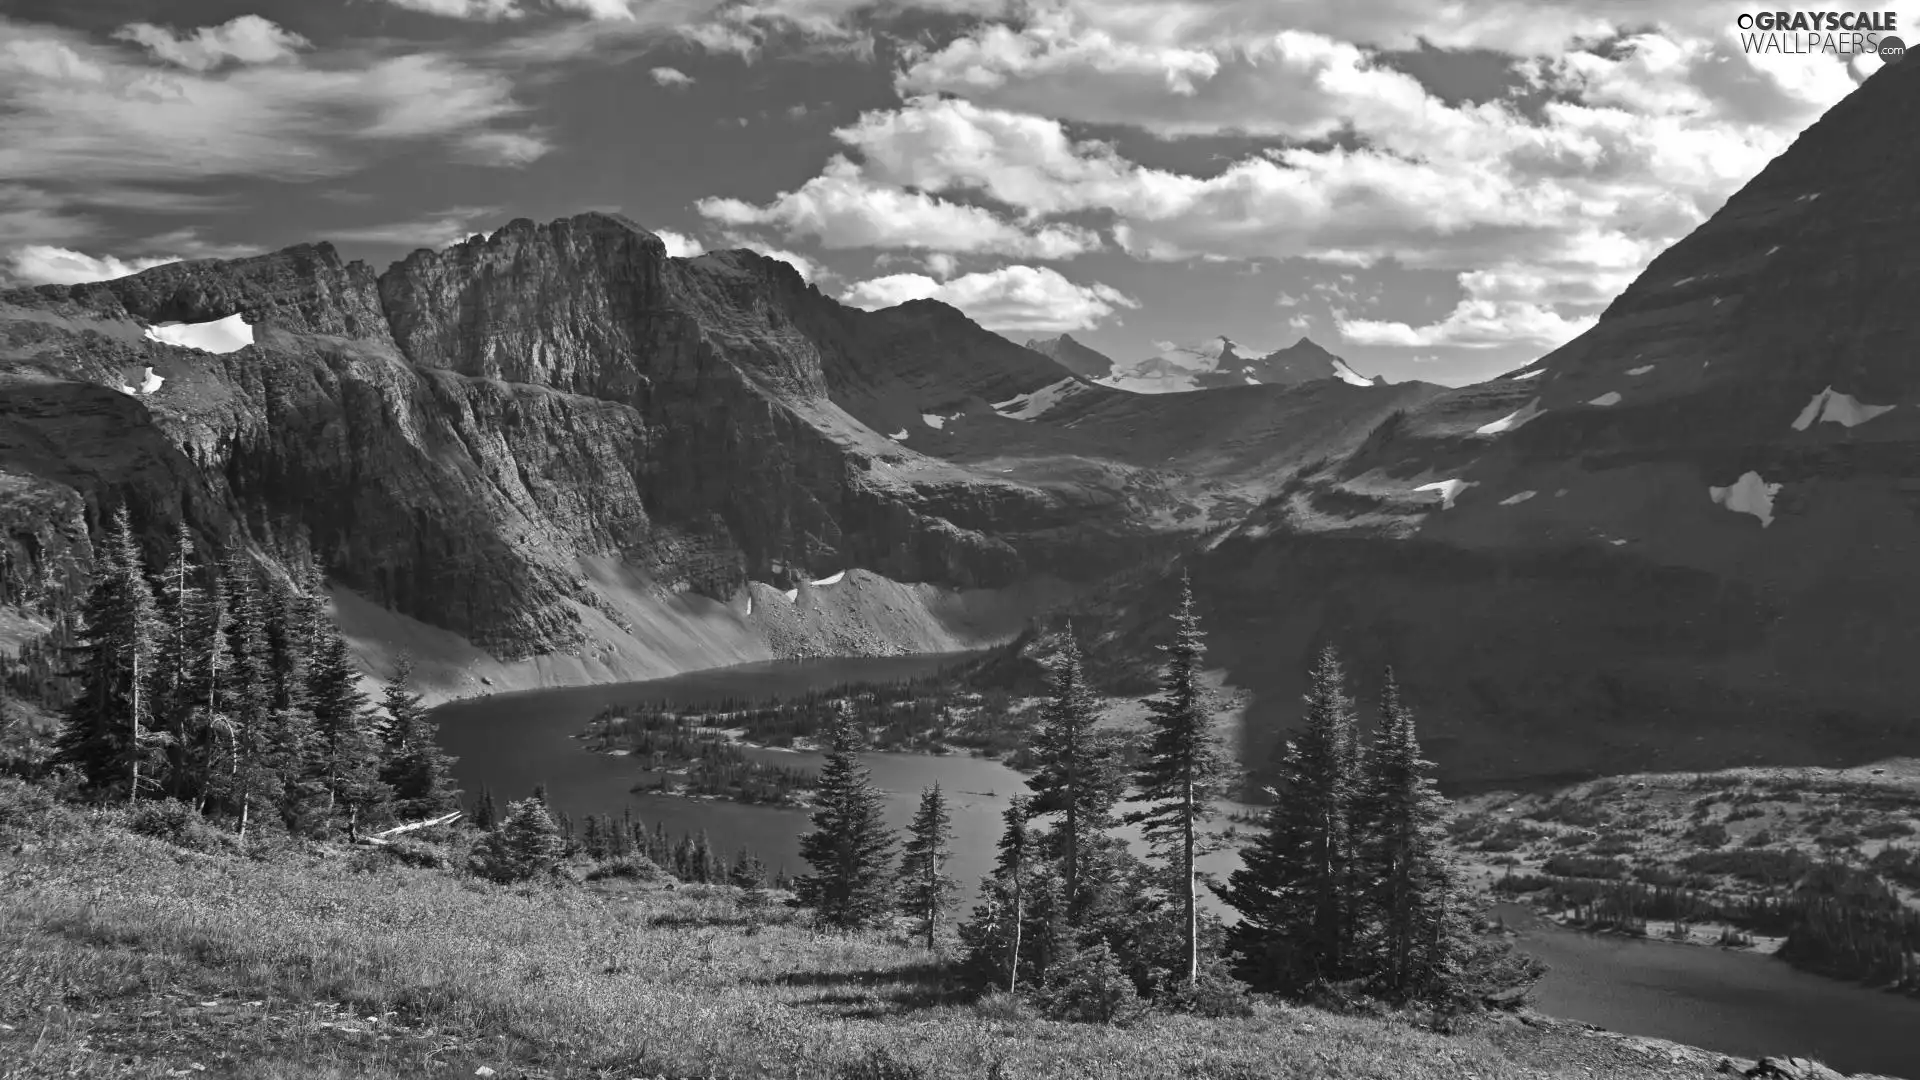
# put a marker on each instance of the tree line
(1345, 890)
(213, 685)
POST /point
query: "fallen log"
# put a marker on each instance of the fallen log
(385, 835)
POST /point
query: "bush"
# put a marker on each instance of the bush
(22, 804)
(182, 826)
(1710, 835)
(1885, 830)
(1215, 994)
(625, 868)
(525, 847)
(1089, 987)
(1584, 866)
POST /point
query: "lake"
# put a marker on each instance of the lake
(512, 742)
(1737, 1003)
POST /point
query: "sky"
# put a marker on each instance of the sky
(1437, 191)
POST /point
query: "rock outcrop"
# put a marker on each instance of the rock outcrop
(1690, 538)
(472, 438)
(1075, 357)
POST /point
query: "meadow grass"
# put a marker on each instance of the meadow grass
(124, 956)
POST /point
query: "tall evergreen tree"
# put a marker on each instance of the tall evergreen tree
(1019, 930)
(1183, 770)
(851, 846)
(925, 886)
(1076, 774)
(346, 744)
(525, 847)
(181, 705)
(108, 732)
(1406, 882)
(747, 872)
(486, 816)
(415, 767)
(269, 748)
(1295, 884)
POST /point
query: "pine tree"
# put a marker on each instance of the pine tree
(415, 767)
(850, 846)
(1406, 881)
(187, 688)
(107, 734)
(925, 886)
(486, 816)
(264, 764)
(525, 847)
(1183, 771)
(1294, 889)
(1076, 775)
(346, 744)
(748, 872)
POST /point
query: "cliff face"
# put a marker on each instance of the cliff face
(1689, 538)
(473, 437)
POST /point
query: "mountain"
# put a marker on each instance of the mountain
(1221, 362)
(1688, 538)
(555, 454)
(1075, 357)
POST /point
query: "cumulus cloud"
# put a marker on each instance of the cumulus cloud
(44, 264)
(680, 245)
(437, 230)
(74, 110)
(671, 77)
(248, 39)
(843, 208)
(484, 10)
(503, 148)
(1025, 299)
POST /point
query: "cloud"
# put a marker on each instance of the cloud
(1301, 322)
(1474, 324)
(248, 39)
(482, 10)
(843, 208)
(1026, 299)
(44, 264)
(503, 148)
(671, 77)
(680, 245)
(74, 112)
(438, 230)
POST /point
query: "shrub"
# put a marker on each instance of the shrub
(22, 803)
(625, 868)
(882, 1063)
(180, 825)
(1885, 830)
(1709, 835)
(526, 846)
(1584, 866)
(1215, 994)
(1089, 987)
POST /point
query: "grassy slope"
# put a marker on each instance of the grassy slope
(122, 956)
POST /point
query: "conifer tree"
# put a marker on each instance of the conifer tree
(851, 845)
(747, 872)
(1295, 884)
(486, 816)
(346, 744)
(415, 767)
(1406, 881)
(1183, 770)
(181, 704)
(1076, 775)
(260, 769)
(107, 734)
(925, 886)
(526, 846)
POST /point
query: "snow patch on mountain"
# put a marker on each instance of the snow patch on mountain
(1611, 397)
(932, 421)
(832, 579)
(1516, 500)
(1535, 373)
(1750, 494)
(1512, 420)
(230, 334)
(148, 381)
(1448, 490)
(1036, 404)
(899, 436)
(1641, 370)
(1842, 409)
